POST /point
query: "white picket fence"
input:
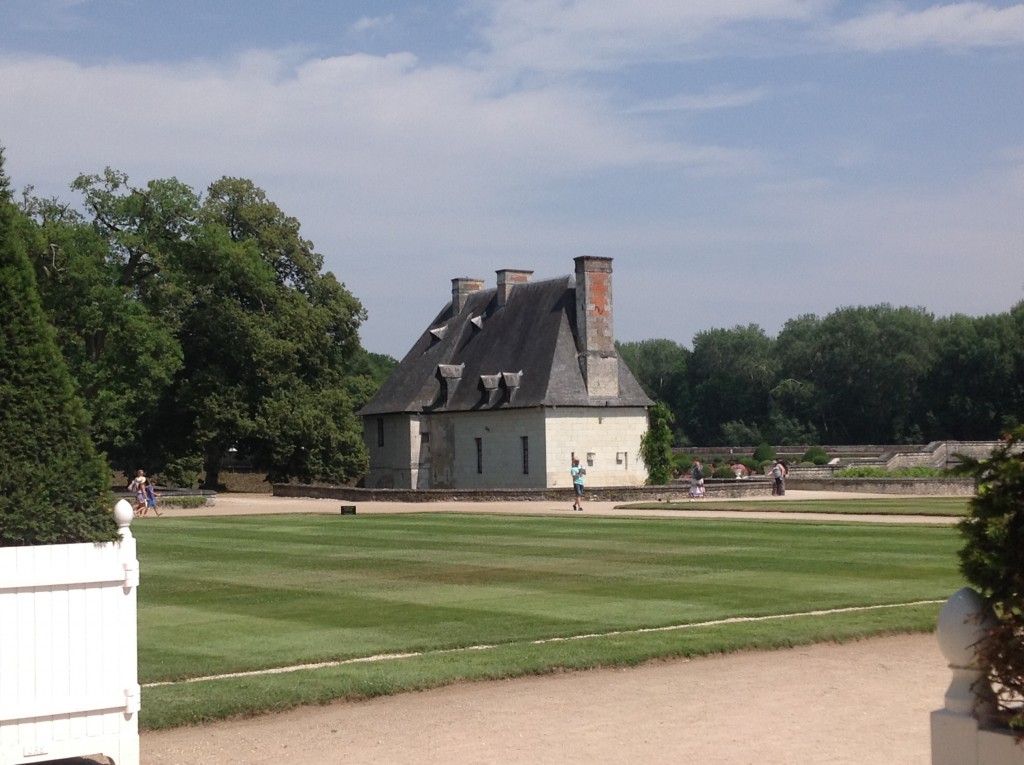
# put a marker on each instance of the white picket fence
(69, 684)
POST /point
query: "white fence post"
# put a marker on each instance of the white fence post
(959, 734)
(69, 683)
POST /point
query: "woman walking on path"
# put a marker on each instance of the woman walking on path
(138, 488)
(697, 481)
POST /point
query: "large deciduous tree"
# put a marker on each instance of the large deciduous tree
(732, 373)
(660, 368)
(239, 341)
(975, 386)
(123, 354)
(874, 361)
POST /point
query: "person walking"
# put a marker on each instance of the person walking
(577, 472)
(151, 496)
(778, 474)
(697, 480)
(138, 488)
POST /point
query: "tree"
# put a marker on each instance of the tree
(54, 486)
(732, 372)
(796, 394)
(122, 356)
(656, 445)
(252, 347)
(874, 361)
(973, 390)
(660, 368)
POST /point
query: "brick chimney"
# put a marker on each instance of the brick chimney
(507, 279)
(462, 288)
(595, 335)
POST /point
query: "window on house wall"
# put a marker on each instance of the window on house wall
(380, 431)
(526, 454)
(479, 455)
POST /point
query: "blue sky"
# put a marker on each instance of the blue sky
(742, 161)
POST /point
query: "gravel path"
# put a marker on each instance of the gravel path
(862, 703)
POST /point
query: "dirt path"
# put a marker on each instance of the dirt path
(263, 504)
(866, 702)
(863, 703)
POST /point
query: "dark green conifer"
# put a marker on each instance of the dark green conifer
(54, 487)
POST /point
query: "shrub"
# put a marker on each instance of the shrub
(681, 464)
(868, 471)
(723, 472)
(183, 471)
(992, 560)
(764, 453)
(749, 463)
(815, 455)
(54, 487)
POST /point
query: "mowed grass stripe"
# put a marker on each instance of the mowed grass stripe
(613, 633)
(223, 595)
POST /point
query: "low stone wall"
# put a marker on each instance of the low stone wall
(938, 487)
(716, 488)
(677, 491)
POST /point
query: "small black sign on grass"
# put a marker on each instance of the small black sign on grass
(348, 509)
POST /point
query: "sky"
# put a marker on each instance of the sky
(742, 161)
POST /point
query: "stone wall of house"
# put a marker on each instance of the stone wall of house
(606, 442)
(387, 437)
(505, 458)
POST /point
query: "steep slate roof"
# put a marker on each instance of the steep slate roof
(532, 333)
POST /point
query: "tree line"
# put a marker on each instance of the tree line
(865, 374)
(196, 325)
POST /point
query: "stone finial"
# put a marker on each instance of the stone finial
(963, 622)
(123, 515)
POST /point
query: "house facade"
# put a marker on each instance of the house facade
(506, 385)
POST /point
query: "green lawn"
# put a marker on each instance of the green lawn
(940, 506)
(236, 594)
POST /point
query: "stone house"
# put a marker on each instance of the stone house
(505, 385)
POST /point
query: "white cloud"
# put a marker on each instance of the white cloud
(406, 174)
(958, 25)
(372, 23)
(716, 98)
(436, 132)
(556, 36)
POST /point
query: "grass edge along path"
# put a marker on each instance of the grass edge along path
(952, 507)
(203, 700)
(542, 641)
